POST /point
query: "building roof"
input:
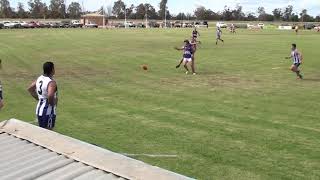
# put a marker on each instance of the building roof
(93, 15)
(30, 152)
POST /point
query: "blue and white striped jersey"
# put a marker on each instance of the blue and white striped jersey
(43, 106)
(296, 57)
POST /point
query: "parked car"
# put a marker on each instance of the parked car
(11, 25)
(129, 25)
(203, 24)
(187, 25)
(43, 25)
(261, 25)
(76, 24)
(24, 24)
(65, 24)
(119, 25)
(92, 25)
(221, 25)
(54, 25)
(140, 25)
(33, 24)
(154, 24)
(177, 24)
(309, 26)
(6, 24)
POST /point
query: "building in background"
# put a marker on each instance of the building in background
(94, 18)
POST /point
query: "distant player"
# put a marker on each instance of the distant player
(195, 33)
(219, 33)
(45, 90)
(296, 29)
(187, 54)
(232, 29)
(194, 44)
(297, 58)
(1, 97)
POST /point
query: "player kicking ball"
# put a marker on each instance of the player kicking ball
(219, 33)
(187, 55)
(297, 58)
(194, 44)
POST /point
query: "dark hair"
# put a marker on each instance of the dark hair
(48, 68)
(294, 45)
(187, 41)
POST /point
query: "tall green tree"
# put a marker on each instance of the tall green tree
(200, 13)
(74, 10)
(287, 14)
(21, 13)
(261, 13)
(163, 8)
(37, 9)
(237, 13)
(146, 10)
(57, 9)
(305, 17)
(118, 9)
(5, 9)
(277, 14)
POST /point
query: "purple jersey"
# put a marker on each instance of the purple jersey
(1, 92)
(188, 51)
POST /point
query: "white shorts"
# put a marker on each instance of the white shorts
(187, 59)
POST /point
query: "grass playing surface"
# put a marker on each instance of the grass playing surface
(244, 116)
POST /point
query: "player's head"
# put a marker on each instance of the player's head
(186, 41)
(294, 46)
(48, 69)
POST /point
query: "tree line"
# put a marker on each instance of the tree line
(57, 9)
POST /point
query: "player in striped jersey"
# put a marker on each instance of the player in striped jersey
(297, 58)
(195, 33)
(1, 97)
(45, 90)
(219, 33)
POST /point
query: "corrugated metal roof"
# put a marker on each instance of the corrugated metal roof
(20, 159)
(30, 152)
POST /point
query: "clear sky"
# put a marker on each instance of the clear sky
(176, 6)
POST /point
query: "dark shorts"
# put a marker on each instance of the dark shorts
(47, 121)
(1, 95)
(297, 64)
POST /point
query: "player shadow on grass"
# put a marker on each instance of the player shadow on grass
(311, 79)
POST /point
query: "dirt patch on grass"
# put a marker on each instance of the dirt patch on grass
(215, 80)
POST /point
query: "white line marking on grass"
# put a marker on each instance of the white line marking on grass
(151, 155)
(276, 68)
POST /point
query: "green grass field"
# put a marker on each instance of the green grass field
(244, 116)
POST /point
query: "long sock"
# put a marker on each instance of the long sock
(298, 73)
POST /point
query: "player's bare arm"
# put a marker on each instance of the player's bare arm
(52, 88)
(32, 90)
